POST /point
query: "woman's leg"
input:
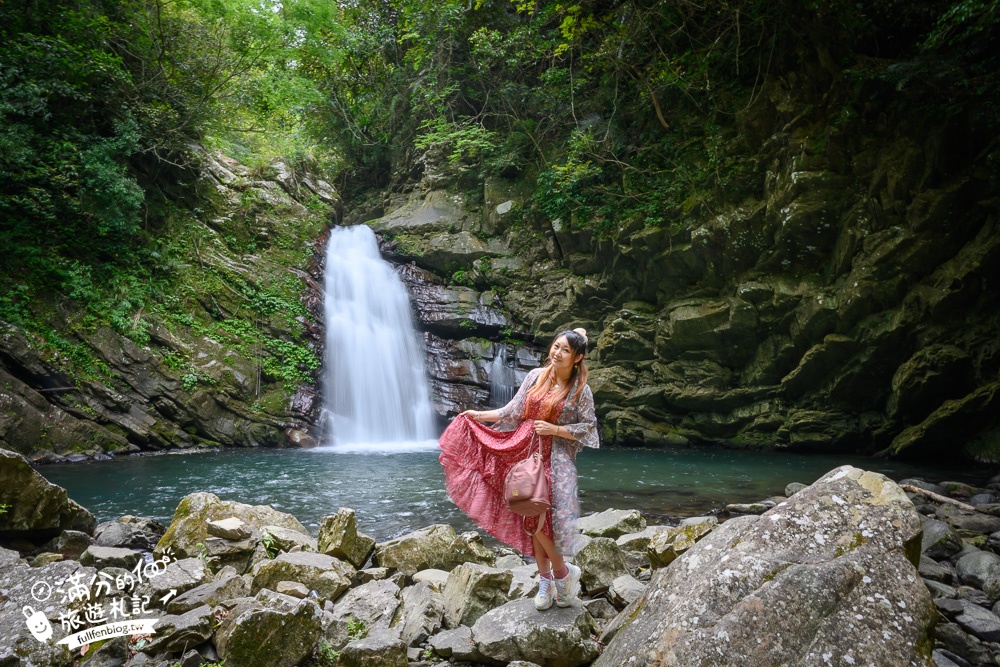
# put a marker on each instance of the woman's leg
(546, 555)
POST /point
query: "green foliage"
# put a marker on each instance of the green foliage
(270, 546)
(4, 507)
(356, 629)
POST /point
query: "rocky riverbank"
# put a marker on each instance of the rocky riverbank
(869, 575)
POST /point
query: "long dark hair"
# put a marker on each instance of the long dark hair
(577, 339)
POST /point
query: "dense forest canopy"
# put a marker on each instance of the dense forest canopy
(634, 111)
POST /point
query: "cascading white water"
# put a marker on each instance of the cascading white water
(375, 389)
(503, 380)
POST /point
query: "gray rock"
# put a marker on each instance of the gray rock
(941, 659)
(130, 532)
(612, 523)
(939, 590)
(292, 589)
(472, 590)
(326, 575)
(227, 585)
(601, 562)
(931, 569)
(747, 508)
(600, 609)
(967, 523)
(952, 637)
(840, 549)
(376, 650)
(231, 528)
(71, 544)
(508, 562)
(939, 540)
(433, 547)
(638, 542)
(420, 613)
(793, 488)
(456, 644)
(101, 557)
(624, 590)
(979, 622)
(179, 576)
(436, 578)
(339, 537)
(179, 633)
(977, 567)
(668, 545)
(973, 595)
(982, 499)
(287, 539)
(524, 582)
(374, 604)
(37, 509)
(557, 637)
(253, 635)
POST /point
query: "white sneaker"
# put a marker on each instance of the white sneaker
(546, 594)
(568, 587)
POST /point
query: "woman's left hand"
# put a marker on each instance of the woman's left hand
(545, 428)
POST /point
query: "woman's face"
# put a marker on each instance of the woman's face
(562, 355)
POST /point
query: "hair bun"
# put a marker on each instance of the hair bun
(582, 332)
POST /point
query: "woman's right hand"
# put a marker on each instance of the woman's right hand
(471, 414)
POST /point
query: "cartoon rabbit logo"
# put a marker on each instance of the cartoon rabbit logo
(39, 626)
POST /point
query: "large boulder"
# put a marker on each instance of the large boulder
(188, 535)
(434, 547)
(838, 558)
(373, 604)
(420, 613)
(557, 637)
(37, 510)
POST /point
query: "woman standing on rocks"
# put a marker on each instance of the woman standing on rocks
(555, 409)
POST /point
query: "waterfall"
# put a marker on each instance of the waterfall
(503, 380)
(375, 389)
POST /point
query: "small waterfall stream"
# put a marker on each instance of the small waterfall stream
(503, 379)
(375, 389)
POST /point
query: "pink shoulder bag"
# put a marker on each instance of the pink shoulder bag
(526, 488)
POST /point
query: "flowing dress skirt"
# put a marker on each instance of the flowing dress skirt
(476, 460)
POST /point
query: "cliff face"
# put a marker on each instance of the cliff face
(225, 359)
(849, 301)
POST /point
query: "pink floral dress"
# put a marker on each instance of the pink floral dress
(476, 459)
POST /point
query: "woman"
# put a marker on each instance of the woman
(554, 410)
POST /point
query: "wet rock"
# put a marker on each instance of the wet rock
(374, 604)
(339, 537)
(472, 590)
(612, 523)
(977, 567)
(433, 547)
(601, 562)
(557, 637)
(37, 510)
(326, 575)
(260, 633)
(101, 557)
(189, 526)
(376, 650)
(420, 613)
(838, 549)
(178, 633)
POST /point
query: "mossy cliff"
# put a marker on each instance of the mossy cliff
(840, 295)
(219, 348)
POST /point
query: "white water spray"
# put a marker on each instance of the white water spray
(376, 395)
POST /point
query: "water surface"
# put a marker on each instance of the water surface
(399, 491)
